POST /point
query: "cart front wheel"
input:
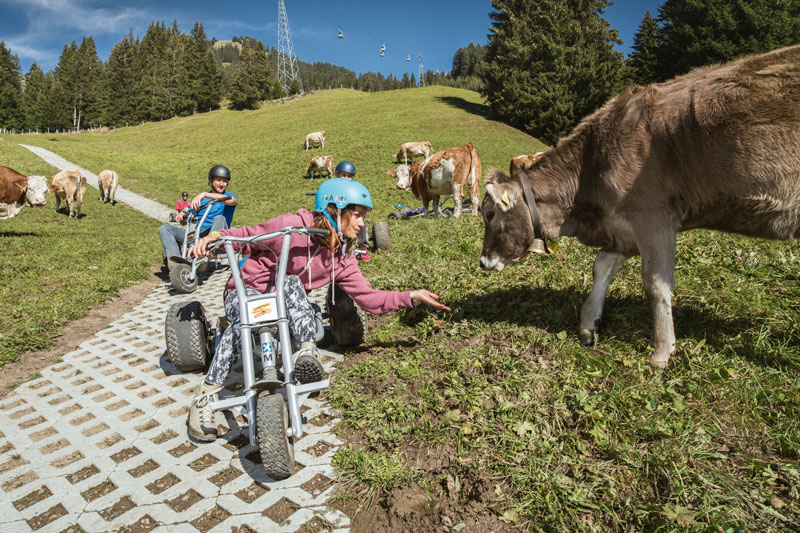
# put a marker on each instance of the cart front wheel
(274, 444)
(180, 275)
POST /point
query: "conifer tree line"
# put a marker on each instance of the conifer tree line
(549, 63)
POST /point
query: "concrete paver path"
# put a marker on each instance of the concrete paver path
(100, 441)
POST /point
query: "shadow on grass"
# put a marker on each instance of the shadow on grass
(18, 234)
(482, 110)
(628, 320)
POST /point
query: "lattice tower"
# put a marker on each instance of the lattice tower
(421, 71)
(287, 61)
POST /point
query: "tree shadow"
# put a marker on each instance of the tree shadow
(482, 110)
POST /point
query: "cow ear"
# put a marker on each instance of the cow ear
(504, 197)
(392, 173)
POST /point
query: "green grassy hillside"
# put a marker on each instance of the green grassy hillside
(493, 414)
(263, 148)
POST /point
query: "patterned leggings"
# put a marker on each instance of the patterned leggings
(301, 325)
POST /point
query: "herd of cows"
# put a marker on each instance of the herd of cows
(18, 190)
(717, 148)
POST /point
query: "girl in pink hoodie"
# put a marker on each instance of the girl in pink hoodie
(341, 207)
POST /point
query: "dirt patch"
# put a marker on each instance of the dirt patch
(75, 333)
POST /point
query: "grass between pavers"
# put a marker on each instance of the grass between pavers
(263, 150)
(55, 269)
(499, 391)
(573, 438)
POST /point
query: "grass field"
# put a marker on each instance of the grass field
(493, 414)
(55, 269)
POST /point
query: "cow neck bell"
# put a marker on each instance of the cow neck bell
(539, 246)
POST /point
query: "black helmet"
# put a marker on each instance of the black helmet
(184, 193)
(219, 171)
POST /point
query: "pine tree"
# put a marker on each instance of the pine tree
(644, 58)
(10, 90)
(124, 76)
(252, 82)
(702, 32)
(201, 73)
(550, 63)
(34, 99)
(93, 84)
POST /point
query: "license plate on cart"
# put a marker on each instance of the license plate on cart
(262, 310)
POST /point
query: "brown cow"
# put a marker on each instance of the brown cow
(69, 186)
(409, 150)
(320, 165)
(443, 173)
(717, 148)
(108, 181)
(523, 162)
(18, 190)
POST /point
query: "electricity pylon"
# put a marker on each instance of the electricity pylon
(287, 61)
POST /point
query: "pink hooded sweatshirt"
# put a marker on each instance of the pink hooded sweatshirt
(260, 270)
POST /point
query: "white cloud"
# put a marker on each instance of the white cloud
(75, 14)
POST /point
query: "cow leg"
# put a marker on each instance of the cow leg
(658, 277)
(606, 266)
(458, 198)
(435, 202)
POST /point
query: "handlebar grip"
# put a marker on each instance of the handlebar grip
(318, 232)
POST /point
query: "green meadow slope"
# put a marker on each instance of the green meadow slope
(493, 414)
(263, 148)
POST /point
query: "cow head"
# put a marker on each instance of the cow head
(508, 233)
(37, 187)
(403, 176)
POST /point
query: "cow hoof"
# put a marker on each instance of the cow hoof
(587, 337)
(659, 361)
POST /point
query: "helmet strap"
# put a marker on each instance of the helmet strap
(339, 223)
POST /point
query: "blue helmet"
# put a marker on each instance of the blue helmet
(346, 166)
(341, 192)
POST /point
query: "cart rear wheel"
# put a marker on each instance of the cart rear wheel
(186, 333)
(380, 236)
(180, 277)
(348, 321)
(274, 444)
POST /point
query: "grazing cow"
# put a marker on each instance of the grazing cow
(409, 150)
(717, 148)
(314, 139)
(69, 186)
(108, 181)
(18, 191)
(320, 165)
(523, 162)
(443, 173)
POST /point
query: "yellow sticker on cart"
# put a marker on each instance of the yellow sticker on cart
(262, 310)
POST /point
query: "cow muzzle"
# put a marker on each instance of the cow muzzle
(492, 264)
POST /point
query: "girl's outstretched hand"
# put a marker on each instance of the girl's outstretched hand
(427, 297)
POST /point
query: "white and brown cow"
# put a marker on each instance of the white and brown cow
(18, 190)
(316, 138)
(523, 162)
(443, 173)
(69, 186)
(108, 181)
(717, 148)
(409, 150)
(321, 166)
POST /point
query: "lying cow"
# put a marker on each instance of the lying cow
(18, 191)
(523, 162)
(716, 148)
(108, 181)
(321, 166)
(409, 150)
(69, 186)
(316, 138)
(443, 173)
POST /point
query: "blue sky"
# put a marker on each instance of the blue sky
(37, 30)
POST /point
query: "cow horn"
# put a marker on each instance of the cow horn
(505, 199)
